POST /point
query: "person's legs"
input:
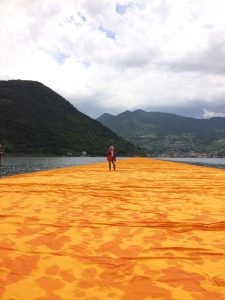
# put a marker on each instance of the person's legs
(114, 165)
(109, 165)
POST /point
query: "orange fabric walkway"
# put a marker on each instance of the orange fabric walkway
(150, 230)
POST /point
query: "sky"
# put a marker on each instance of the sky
(116, 55)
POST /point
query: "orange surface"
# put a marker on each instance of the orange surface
(150, 230)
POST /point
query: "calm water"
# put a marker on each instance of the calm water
(18, 165)
(208, 162)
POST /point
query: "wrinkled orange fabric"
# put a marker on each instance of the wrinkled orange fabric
(150, 230)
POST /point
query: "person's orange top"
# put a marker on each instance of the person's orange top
(151, 230)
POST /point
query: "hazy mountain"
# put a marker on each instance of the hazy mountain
(169, 134)
(36, 120)
(105, 117)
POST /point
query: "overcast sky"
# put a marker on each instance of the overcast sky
(114, 55)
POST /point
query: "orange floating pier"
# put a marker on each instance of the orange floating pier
(150, 230)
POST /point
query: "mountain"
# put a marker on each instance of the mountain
(105, 118)
(36, 120)
(169, 134)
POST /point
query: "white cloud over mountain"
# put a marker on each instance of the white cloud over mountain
(107, 56)
(210, 114)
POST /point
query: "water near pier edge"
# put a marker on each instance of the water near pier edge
(20, 165)
(199, 161)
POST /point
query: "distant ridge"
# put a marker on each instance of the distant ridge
(105, 117)
(169, 134)
(36, 120)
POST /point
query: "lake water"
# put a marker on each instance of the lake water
(208, 162)
(19, 165)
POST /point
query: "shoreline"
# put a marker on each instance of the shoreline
(14, 165)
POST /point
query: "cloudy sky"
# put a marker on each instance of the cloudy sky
(114, 55)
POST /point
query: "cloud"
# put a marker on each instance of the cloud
(195, 108)
(118, 54)
(109, 33)
(210, 60)
(83, 18)
(210, 114)
(121, 9)
(59, 56)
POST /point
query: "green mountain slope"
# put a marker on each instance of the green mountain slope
(169, 134)
(36, 120)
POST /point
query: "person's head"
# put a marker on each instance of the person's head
(111, 148)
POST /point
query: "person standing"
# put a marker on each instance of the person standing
(111, 157)
(1, 152)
